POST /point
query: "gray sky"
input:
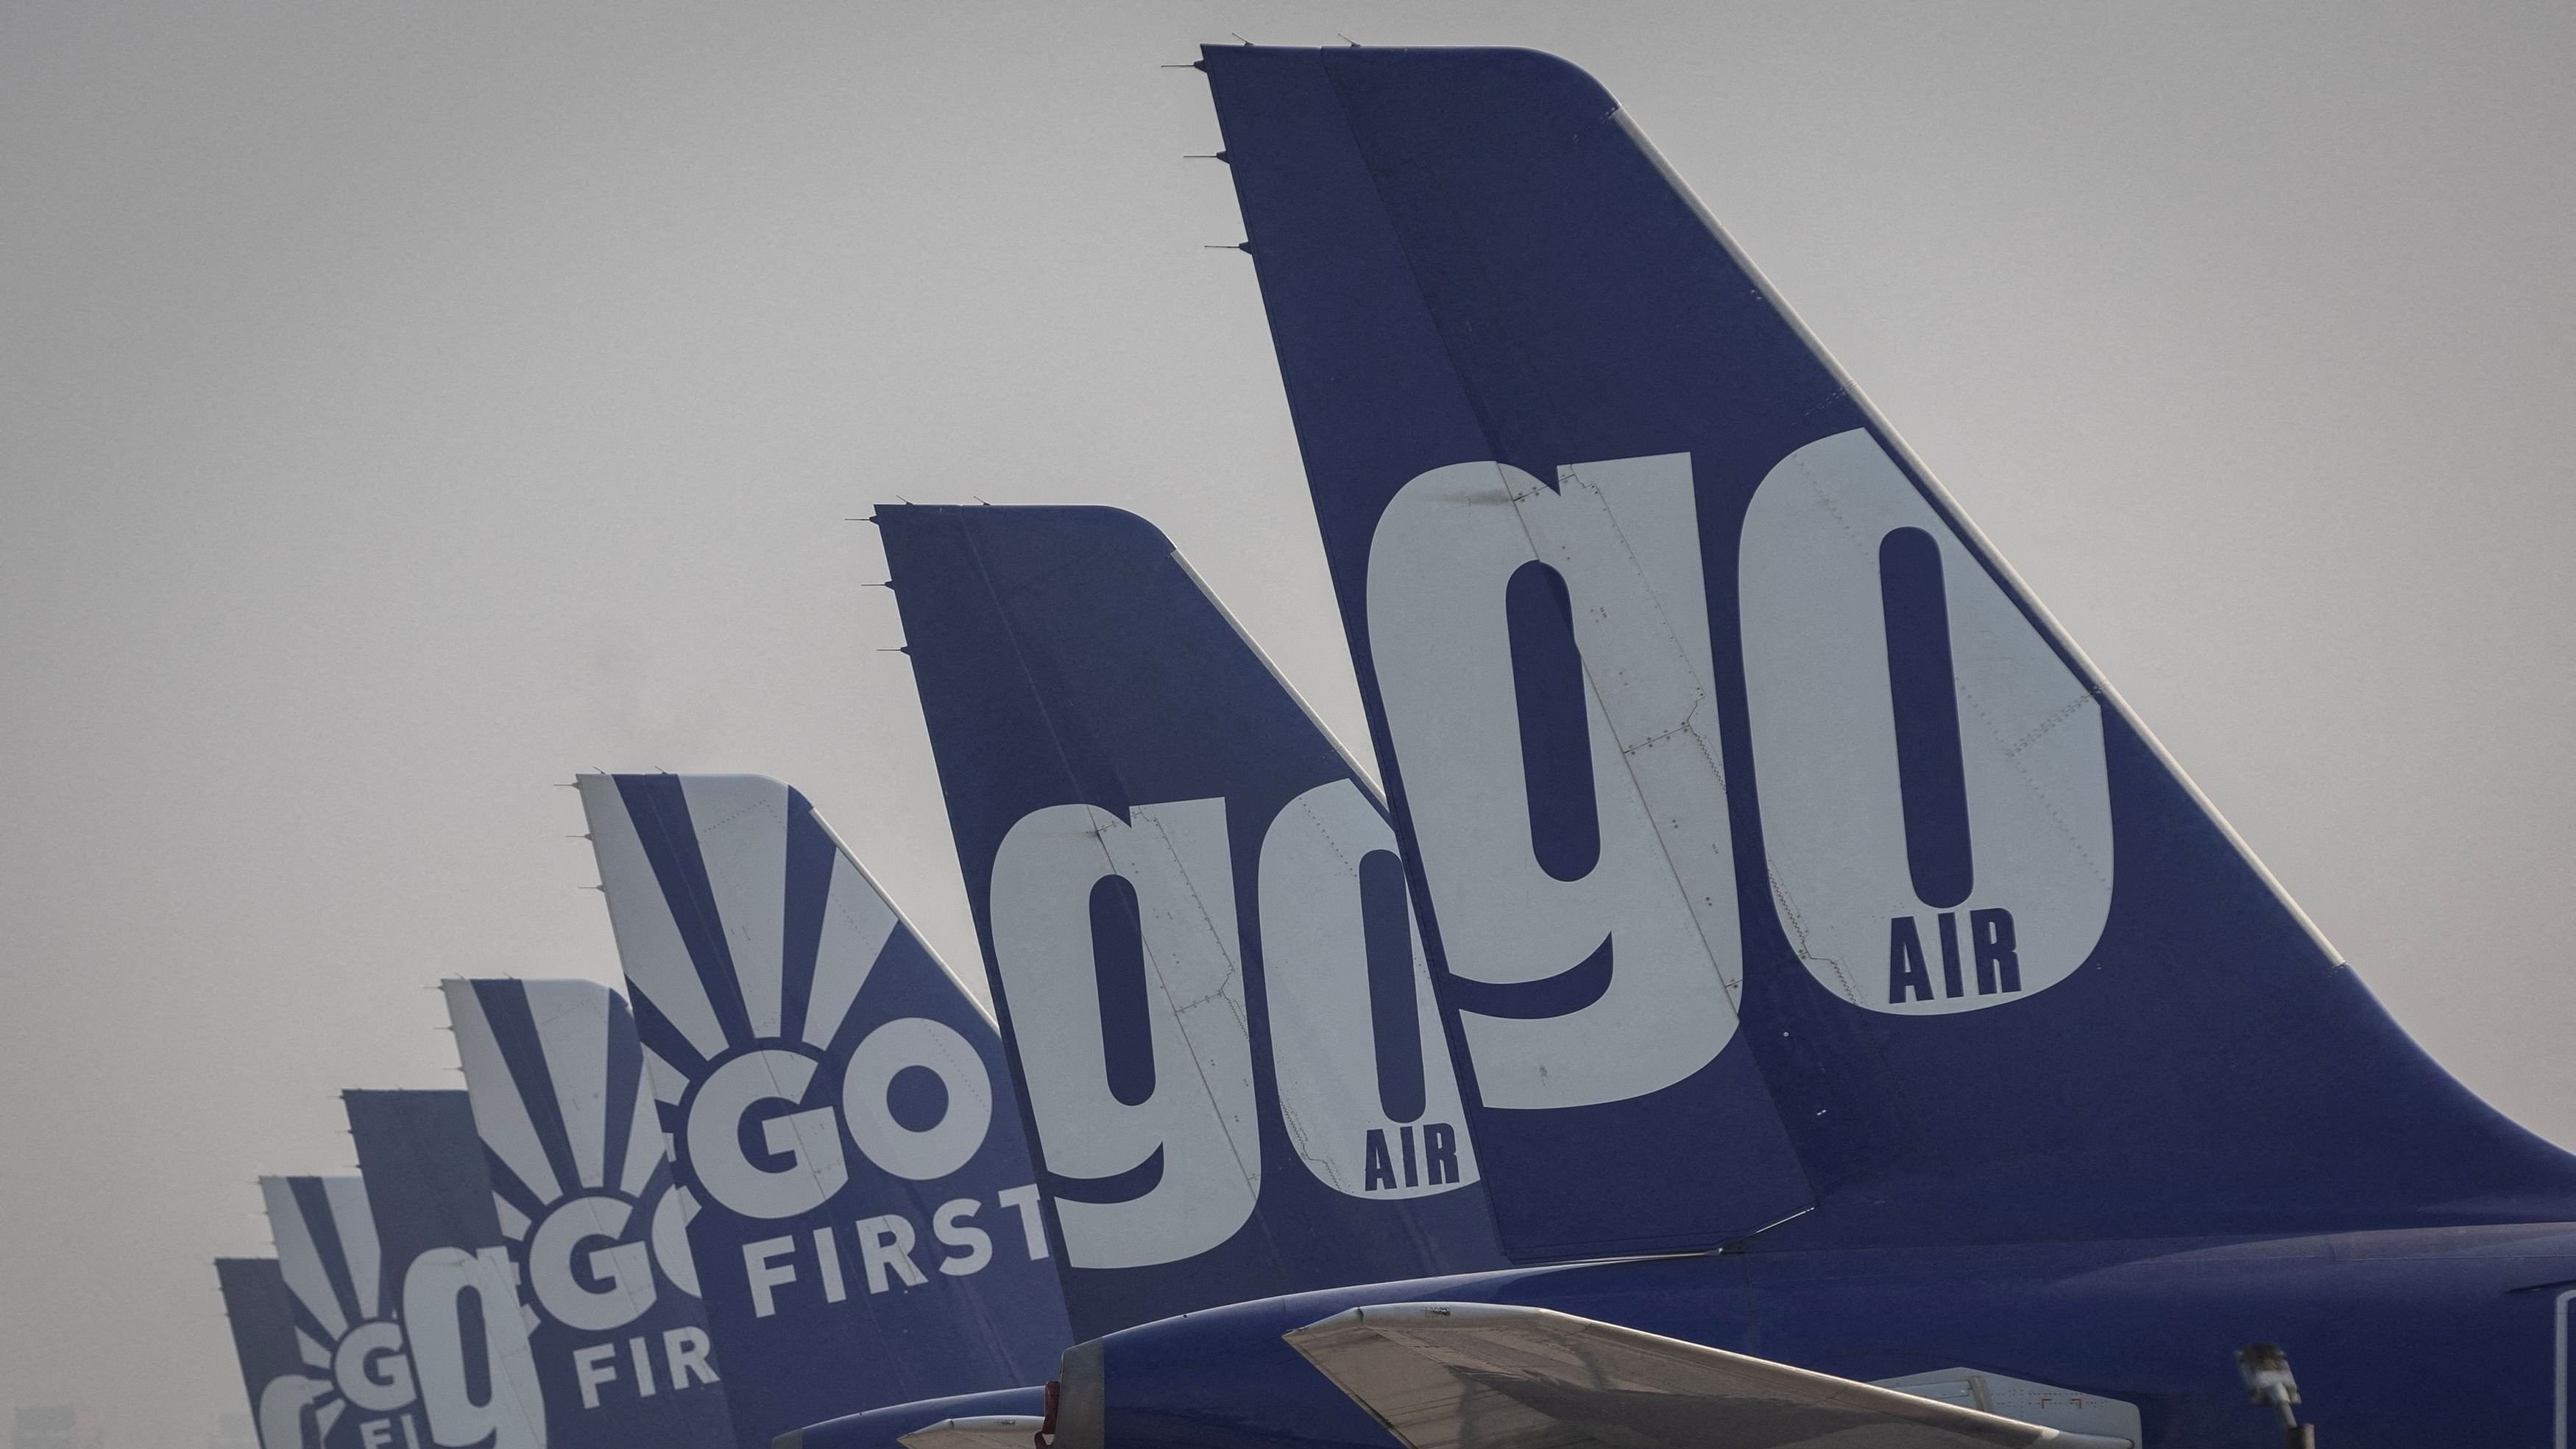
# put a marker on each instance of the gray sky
(402, 407)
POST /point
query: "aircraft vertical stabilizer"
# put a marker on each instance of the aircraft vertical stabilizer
(1717, 733)
(441, 1237)
(593, 1223)
(280, 1384)
(347, 1307)
(1195, 922)
(868, 1223)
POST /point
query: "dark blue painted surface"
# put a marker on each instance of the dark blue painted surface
(423, 1164)
(262, 1317)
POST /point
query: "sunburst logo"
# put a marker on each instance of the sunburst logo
(583, 1186)
(829, 1091)
(751, 946)
(347, 1321)
(787, 1007)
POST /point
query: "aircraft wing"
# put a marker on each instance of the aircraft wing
(987, 1431)
(1496, 1376)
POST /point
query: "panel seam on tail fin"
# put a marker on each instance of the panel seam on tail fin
(1732, 990)
(1712, 951)
(1237, 971)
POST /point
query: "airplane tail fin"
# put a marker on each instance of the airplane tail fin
(419, 1151)
(1194, 917)
(280, 1384)
(1667, 642)
(835, 1104)
(594, 1224)
(431, 1200)
(346, 1306)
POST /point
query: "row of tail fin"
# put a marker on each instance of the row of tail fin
(1756, 859)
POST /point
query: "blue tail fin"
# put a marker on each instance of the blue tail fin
(1195, 920)
(868, 1223)
(1682, 669)
(281, 1386)
(441, 1238)
(347, 1308)
(595, 1226)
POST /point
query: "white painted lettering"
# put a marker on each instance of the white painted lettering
(1201, 1113)
(760, 1267)
(592, 1366)
(885, 1245)
(949, 1225)
(1659, 894)
(624, 1270)
(1024, 1199)
(687, 1350)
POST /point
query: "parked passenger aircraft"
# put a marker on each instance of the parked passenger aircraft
(1811, 913)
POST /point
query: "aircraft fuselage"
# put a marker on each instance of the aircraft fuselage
(2399, 1338)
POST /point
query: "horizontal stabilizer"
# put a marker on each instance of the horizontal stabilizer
(1491, 1376)
(988, 1431)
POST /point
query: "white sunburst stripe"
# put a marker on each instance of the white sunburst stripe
(500, 1117)
(299, 1258)
(312, 1353)
(572, 1036)
(327, 1415)
(656, 960)
(514, 1223)
(355, 1223)
(741, 826)
(857, 923)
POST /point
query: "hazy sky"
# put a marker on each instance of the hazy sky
(404, 407)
